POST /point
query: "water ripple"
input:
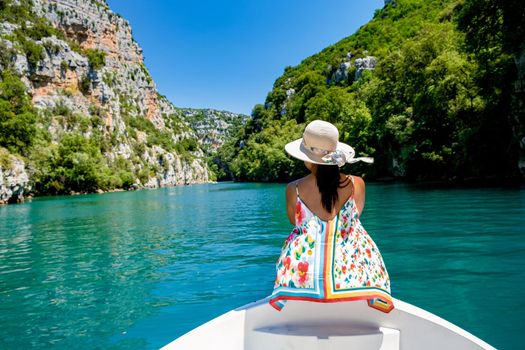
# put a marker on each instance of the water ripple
(135, 270)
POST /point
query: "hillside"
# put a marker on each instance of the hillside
(79, 109)
(411, 88)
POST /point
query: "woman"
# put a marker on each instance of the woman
(328, 257)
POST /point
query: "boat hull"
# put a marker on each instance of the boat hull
(343, 325)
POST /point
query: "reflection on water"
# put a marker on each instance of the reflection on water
(135, 270)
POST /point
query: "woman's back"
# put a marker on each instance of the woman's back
(307, 190)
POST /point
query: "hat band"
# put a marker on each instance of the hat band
(342, 155)
(317, 151)
(338, 157)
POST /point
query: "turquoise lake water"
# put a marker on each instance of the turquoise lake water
(135, 270)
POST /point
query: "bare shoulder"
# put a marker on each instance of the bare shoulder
(359, 193)
(296, 186)
(291, 185)
(358, 181)
(290, 188)
(291, 198)
(359, 185)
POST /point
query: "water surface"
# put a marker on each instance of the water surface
(134, 270)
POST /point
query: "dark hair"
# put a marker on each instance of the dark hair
(328, 181)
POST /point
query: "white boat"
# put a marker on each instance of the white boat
(314, 326)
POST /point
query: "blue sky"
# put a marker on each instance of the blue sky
(227, 54)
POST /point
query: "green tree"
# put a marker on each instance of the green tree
(494, 32)
(75, 164)
(262, 157)
(17, 116)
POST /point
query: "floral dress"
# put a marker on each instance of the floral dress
(330, 261)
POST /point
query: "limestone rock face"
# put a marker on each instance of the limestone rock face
(91, 80)
(341, 74)
(362, 64)
(94, 26)
(14, 181)
(213, 127)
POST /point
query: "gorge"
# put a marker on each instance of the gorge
(89, 116)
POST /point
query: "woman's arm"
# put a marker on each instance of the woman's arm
(291, 199)
(359, 193)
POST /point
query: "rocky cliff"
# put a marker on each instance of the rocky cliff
(13, 178)
(213, 128)
(97, 112)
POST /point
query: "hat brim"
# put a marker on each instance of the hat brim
(297, 150)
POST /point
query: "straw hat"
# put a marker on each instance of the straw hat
(320, 145)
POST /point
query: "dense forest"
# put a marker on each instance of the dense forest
(433, 90)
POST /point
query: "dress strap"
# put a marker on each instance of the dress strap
(351, 178)
(297, 189)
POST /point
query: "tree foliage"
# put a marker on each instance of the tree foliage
(437, 105)
(76, 164)
(17, 116)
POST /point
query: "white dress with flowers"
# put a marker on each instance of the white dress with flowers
(330, 261)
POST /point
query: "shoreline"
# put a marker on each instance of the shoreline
(469, 182)
(515, 182)
(21, 198)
